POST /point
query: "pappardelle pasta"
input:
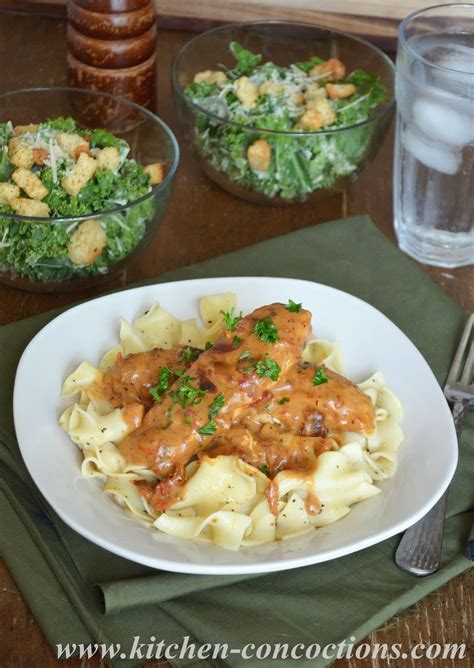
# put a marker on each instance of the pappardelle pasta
(239, 432)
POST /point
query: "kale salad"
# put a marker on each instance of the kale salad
(302, 101)
(55, 170)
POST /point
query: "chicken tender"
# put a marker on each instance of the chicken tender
(246, 92)
(30, 183)
(218, 387)
(318, 410)
(339, 91)
(131, 377)
(29, 207)
(87, 243)
(259, 155)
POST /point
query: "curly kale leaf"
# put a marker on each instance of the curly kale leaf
(6, 168)
(307, 65)
(105, 190)
(61, 124)
(104, 139)
(370, 92)
(246, 61)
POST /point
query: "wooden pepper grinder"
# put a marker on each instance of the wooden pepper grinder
(112, 48)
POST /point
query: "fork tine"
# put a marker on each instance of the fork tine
(456, 365)
(467, 371)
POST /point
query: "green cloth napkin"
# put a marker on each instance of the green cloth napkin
(81, 594)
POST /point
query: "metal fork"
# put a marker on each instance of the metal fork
(419, 551)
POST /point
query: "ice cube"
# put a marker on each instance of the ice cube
(459, 58)
(436, 155)
(442, 122)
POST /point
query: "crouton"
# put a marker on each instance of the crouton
(30, 183)
(108, 158)
(211, 77)
(19, 153)
(8, 191)
(298, 99)
(87, 243)
(327, 112)
(72, 144)
(155, 172)
(313, 94)
(339, 91)
(29, 207)
(246, 92)
(39, 155)
(310, 120)
(259, 155)
(270, 88)
(331, 70)
(80, 174)
(21, 129)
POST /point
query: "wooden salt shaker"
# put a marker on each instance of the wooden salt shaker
(112, 47)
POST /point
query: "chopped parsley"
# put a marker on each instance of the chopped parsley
(207, 345)
(236, 341)
(187, 395)
(266, 330)
(216, 405)
(229, 319)
(189, 354)
(265, 368)
(165, 379)
(264, 469)
(245, 354)
(284, 400)
(320, 377)
(293, 307)
(208, 430)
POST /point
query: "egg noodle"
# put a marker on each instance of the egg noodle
(224, 499)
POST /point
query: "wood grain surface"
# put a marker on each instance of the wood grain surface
(202, 221)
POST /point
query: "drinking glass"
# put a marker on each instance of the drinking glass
(434, 145)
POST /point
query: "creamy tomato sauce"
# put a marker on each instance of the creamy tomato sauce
(249, 395)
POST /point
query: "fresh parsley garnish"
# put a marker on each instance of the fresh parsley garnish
(264, 469)
(245, 354)
(165, 378)
(208, 429)
(236, 340)
(216, 405)
(266, 330)
(320, 377)
(293, 307)
(186, 394)
(284, 400)
(230, 320)
(265, 368)
(207, 345)
(189, 354)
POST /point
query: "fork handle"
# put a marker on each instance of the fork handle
(419, 551)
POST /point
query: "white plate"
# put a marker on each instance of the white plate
(370, 342)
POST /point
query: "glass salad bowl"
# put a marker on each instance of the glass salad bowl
(85, 179)
(281, 112)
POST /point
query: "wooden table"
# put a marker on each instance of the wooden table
(203, 221)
